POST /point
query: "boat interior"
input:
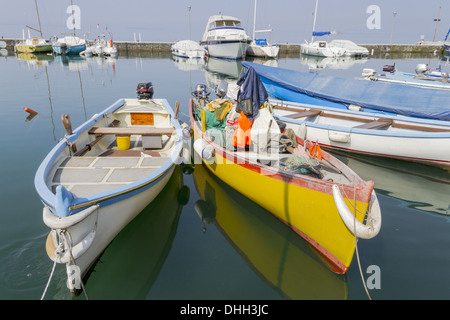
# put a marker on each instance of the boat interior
(103, 163)
(285, 153)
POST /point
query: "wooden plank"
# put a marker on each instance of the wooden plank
(144, 131)
(302, 114)
(380, 123)
(88, 147)
(420, 128)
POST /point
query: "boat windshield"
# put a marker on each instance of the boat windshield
(225, 23)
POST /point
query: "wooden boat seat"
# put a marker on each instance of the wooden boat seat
(302, 114)
(380, 123)
(128, 131)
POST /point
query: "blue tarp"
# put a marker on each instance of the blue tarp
(318, 89)
(321, 33)
(251, 88)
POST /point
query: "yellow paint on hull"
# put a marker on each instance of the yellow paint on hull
(33, 48)
(311, 213)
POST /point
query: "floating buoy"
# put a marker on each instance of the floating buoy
(29, 110)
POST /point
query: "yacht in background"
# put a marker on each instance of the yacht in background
(336, 48)
(224, 37)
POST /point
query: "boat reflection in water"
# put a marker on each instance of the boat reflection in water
(131, 264)
(424, 187)
(277, 254)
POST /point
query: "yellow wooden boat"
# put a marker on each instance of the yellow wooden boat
(330, 209)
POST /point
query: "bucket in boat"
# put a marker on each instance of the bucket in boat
(123, 142)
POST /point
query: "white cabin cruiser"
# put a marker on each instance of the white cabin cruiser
(224, 37)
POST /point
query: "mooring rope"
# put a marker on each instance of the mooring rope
(51, 273)
(356, 238)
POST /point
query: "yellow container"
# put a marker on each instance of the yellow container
(123, 142)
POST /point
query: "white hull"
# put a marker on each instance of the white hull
(400, 140)
(263, 51)
(333, 49)
(228, 50)
(99, 228)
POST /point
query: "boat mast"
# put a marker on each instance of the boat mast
(314, 22)
(254, 21)
(39, 21)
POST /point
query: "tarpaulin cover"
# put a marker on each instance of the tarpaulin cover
(318, 89)
(252, 88)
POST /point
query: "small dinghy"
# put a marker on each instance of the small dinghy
(103, 174)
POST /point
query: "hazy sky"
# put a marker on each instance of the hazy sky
(291, 20)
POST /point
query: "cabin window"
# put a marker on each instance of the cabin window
(322, 44)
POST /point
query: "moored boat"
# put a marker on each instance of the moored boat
(188, 49)
(69, 45)
(101, 175)
(33, 45)
(392, 136)
(274, 169)
(224, 37)
(424, 77)
(354, 94)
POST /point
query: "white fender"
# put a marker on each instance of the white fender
(373, 221)
(205, 150)
(339, 136)
(55, 222)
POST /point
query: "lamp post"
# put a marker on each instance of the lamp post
(394, 13)
(437, 21)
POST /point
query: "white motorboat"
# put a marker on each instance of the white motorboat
(102, 175)
(101, 47)
(224, 37)
(188, 49)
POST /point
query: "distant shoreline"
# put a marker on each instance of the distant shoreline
(126, 47)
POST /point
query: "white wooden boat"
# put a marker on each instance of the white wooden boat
(424, 77)
(92, 184)
(224, 37)
(394, 136)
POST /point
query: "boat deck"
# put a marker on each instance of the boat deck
(84, 176)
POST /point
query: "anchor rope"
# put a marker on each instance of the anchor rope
(51, 273)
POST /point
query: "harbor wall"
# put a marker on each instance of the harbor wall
(130, 47)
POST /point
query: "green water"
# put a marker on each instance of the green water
(173, 250)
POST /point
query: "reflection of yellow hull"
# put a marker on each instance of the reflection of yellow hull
(278, 255)
(33, 48)
(305, 204)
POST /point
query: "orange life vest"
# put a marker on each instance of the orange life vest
(242, 135)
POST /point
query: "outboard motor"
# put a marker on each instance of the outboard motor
(145, 90)
(200, 91)
(389, 68)
(222, 89)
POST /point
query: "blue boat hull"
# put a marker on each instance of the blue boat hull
(390, 98)
(68, 50)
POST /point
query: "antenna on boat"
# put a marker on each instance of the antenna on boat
(189, 21)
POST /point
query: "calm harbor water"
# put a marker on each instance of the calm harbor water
(189, 243)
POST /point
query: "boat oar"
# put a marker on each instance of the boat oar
(68, 126)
